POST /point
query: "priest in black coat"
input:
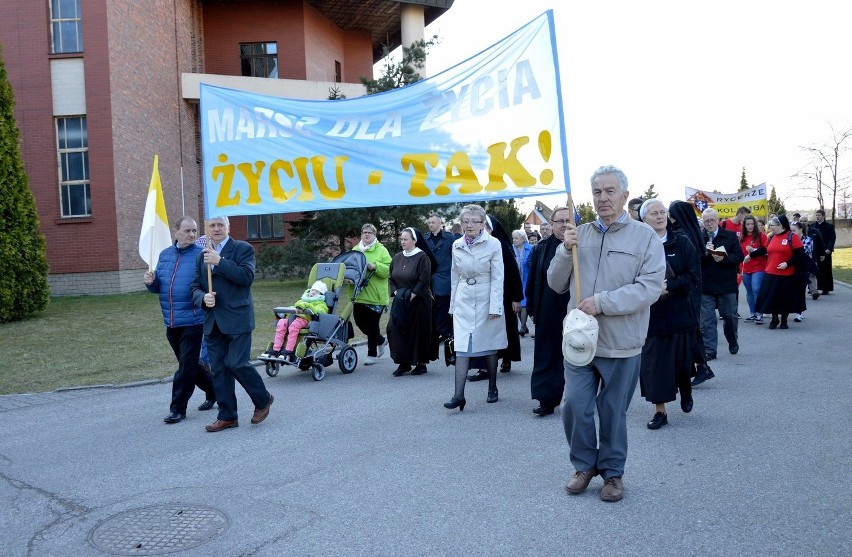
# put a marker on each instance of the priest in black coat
(825, 279)
(547, 310)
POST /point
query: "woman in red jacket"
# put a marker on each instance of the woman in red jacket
(754, 268)
(781, 292)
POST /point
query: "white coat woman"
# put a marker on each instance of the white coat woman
(476, 301)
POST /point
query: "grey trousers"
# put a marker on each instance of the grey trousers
(727, 306)
(608, 385)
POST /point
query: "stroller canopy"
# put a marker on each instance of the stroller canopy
(356, 267)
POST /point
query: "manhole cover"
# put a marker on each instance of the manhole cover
(158, 529)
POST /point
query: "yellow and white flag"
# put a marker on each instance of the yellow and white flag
(155, 235)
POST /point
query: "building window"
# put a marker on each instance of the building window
(338, 72)
(265, 227)
(66, 28)
(72, 139)
(259, 59)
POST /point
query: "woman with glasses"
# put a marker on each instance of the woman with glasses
(809, 268)
(513, 294)
(667, 357)
(782, 291)
(373, 298)
(476, 302)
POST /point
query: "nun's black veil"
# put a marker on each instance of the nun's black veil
(685, 222)
(498, 231)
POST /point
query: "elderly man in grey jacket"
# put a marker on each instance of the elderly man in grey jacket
(621, 271)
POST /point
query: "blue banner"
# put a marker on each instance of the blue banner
(488, 128)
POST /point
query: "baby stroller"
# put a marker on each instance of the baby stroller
(345, 276)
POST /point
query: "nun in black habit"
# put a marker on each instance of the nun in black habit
(547, 310)
(513, 293)
(409, 329)
(682, 220)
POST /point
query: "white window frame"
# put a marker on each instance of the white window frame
(68, 185)
(57, 24)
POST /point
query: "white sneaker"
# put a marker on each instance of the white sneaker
(381, 348)
(798, 318)
(369, 360)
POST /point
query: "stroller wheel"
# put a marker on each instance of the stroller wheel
(347, 359)
(318, 372)
(271, 369)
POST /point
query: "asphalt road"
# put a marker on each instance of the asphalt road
(370, 464)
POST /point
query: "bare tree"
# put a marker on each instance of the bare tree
(811, 181)
(827, 157)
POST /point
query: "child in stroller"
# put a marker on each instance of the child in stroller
(311, 303)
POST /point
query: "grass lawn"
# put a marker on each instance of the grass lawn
(841, 261)
(95, 340)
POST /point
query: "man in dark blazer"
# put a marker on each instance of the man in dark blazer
(719, 266)
(229, 321)
(441, 243)
(547, 310)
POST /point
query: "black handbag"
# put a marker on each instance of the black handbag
(450, 352)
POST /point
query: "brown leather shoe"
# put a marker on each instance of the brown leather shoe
(613, 490)
(580, 481)
(260, 414)
(219, 425)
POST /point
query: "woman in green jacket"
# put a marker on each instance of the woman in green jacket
(373, 298)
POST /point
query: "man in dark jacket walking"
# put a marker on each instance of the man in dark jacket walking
(719, 264)
(171, 280)
(441, 243)
(547, 308)
(229, 321)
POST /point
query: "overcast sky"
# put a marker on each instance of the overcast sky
(682, 94)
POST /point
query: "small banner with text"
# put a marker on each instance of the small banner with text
(726, 204)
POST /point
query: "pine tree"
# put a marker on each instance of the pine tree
(743, 181)
(23, 282)
(649, 193)
(507, 213)
(402, 73)
(586, 212)
(775, 205)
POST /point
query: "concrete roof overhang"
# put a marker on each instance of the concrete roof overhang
(380, 17)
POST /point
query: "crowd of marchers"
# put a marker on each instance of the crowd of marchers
(653, 283)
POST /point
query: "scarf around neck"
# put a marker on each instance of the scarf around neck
(470, 241)
(363, 247)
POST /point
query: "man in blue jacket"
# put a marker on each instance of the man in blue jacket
(441, 243)
(184, 321)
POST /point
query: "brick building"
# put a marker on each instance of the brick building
(101, 86)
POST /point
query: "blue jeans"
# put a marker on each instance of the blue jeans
(752, 282)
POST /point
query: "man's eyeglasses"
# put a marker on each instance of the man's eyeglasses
(560, 222)
(469, 222)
